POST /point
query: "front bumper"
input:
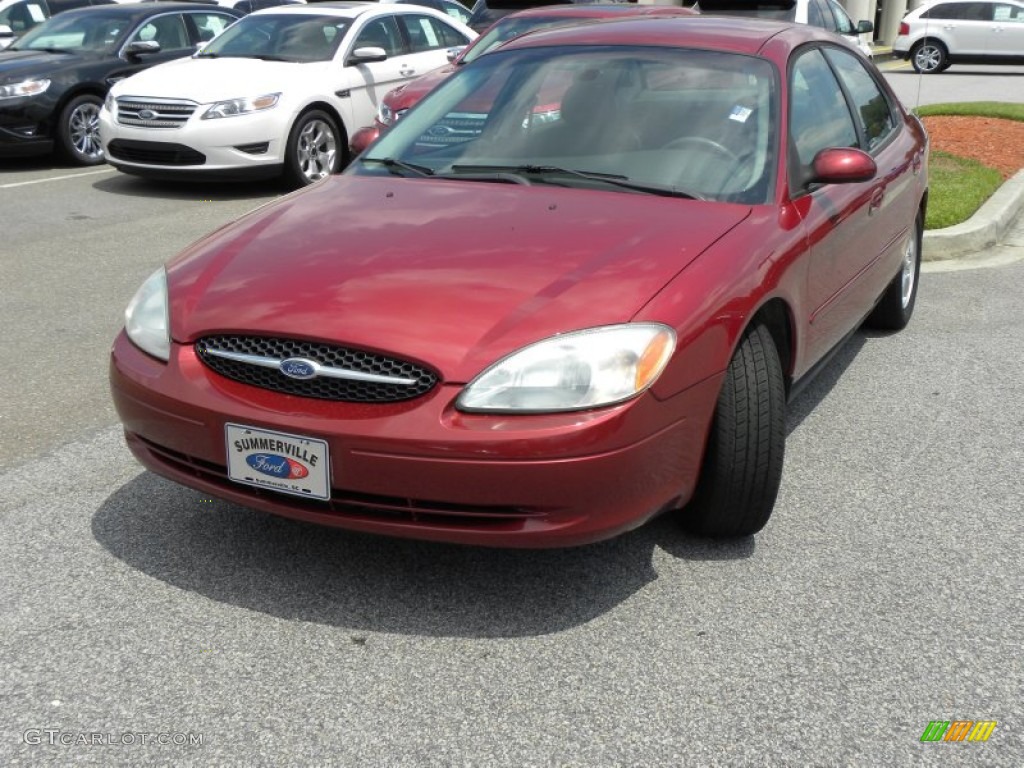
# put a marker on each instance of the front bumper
(249, 146)
(25, 127)
(421, 469)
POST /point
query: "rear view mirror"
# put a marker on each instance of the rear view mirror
(842, 165)
(364, 55)
(864, 26)
(140, 47)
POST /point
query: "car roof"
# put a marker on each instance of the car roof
(595, 10)
(349, 10)
(141, 10)
(733, 34)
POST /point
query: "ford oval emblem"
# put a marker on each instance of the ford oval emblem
(298, 368)
(147, 114)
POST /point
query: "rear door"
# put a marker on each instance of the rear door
(1008, 30)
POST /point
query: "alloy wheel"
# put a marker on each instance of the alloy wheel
(84, 131)
(316, 149)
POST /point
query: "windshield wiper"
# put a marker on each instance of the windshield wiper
(614, 179)
(394, 165)
(47, 50)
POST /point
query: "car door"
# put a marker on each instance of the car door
(366, 82)
(1008, 30)
(846, 229)
(167, 29)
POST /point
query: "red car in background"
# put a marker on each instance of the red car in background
(544, 332)
(401, 99)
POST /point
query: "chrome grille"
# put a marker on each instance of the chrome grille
(154, 113)
(396, 379)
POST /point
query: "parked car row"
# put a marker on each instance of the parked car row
(570, 290)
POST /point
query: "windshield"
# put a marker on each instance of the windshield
(640, 119)
(279, 38)
(76, 33)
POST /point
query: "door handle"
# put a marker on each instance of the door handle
(877, 196)
(407, 72)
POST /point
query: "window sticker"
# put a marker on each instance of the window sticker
(740, 114)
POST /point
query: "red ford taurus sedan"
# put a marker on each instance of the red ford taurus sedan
(542, 332)
(400, 100)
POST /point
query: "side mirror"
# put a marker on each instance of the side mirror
(842, 165)
(6, 31)
(366, 54)
(140, 47)
(454, 53)
(864, 26)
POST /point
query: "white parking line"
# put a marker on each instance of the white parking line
(56, 178)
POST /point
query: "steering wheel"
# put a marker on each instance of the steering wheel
(702, 142)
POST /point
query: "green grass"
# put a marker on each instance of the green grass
(959, 186)
(998, 109)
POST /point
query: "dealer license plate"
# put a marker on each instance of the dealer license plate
(278, 461)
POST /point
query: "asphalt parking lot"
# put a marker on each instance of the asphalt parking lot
(141, 618)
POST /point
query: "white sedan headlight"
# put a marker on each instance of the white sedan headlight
(242, 106)
(146, 318)
(385, 114)
(583, 369)
(32, 87)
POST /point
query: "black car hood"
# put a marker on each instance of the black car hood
(17, 65)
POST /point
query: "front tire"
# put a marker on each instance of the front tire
(743, 461)
(896, 307)
(929, 57)
(315, 149)
(79, 130)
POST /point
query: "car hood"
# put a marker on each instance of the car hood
(451, 274)
(409, 94)
(208, 80)
(15, 65)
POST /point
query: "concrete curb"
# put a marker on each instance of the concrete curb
(984, 229)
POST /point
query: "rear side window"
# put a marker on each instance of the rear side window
(817, 16)
(209, 25)
(426, 33)
(876, 113)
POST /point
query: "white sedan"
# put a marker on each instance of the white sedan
(279, 91)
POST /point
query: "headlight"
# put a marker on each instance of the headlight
(108, 103)
(584, 369)
(145, 319)
(243, 106)
(385, 114)
(24, 88)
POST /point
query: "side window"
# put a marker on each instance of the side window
(456, 11)
(381, 32)
(818, 115)
(818, 16)
(1008, 13)
(875, 111)
(979, 12)
(948, 11)
(21, 17)
(844, 24)
(428, 34)
(209, 25)
(168, 30)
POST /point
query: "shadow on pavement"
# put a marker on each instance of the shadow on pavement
(136, 186)
(302, 572)
(818, 389)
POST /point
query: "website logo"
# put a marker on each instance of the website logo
(958, 730)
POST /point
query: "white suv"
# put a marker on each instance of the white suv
(827, 14)
(939, 34)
